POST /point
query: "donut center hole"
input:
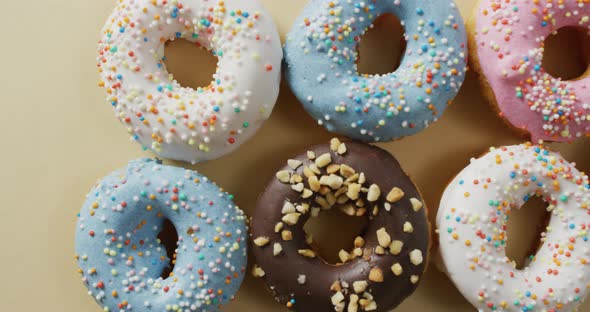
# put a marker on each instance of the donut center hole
(567, 53)
(169, 238)
(190, 64)
(382, 47)
(332, 231)
(525, 228)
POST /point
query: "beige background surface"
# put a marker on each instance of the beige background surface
(59, 136)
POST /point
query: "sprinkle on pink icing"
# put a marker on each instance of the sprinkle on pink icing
(510, 38)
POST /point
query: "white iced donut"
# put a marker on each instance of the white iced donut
(183, 123)
(472, 228)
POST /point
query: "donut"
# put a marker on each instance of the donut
(472, 228)
(121, 259)
(178, 122)
(384, 264)
(507, 45)
(321, 67)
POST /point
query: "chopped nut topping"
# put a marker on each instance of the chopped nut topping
(408, 228)
(279, 227)
(383, 237)
(307, 253)
(362, 178)
(261, 241)
(332, 168)
(346, 171)
(335, 286)
(314, 183)
(397, 269)
(306, 193)
(353, 191)
(376, 275)
(310, 155)
(301, 279)
(341, 149)
(414, 279)
(357, 252)
(379, 250)
(294, 164)
(323, 160)
(295, 178)
(396, 247)
(343, 255)
(337, 298)
(315, 212)
(359, 242)
(353, 303)
(286, 235)
(297, 187)
(395, 195)
(334, 143)
(387, 206)
(416, 257)
(276, 249)
(371, 306)
(374, 193)
(291, 218)
(257, 271)
(303, 208)
(314, 168)
(360, 286)
(283, 176)
(288, 207)
(322, 202)
(348, 210)
(416, 204)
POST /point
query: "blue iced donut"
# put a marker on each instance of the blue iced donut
(321, 57)
(121, 259)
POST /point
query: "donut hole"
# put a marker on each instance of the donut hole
(169, 238)
(190, 64)
(382, 47)
(567, 53)
(332, 231)
(525, 228)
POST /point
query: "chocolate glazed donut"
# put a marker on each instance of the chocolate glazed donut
(382, 268)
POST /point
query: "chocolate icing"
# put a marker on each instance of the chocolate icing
(282, 271)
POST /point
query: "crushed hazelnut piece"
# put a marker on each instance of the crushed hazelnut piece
(374, 193)
(310, 155)
(359, 242)
(333, 168)
(284, 176)
(279, 227)
(416, 204)
(379, 250)
(335, 286)
(353, 191)
(314, 183)
(360, 286)
(416, 257)
(276, 249)
(306, 193)
(261, 241)
(294, 164)
(337, 298)
(334, 143)
(323, 160)
(291, 218)
(414, 279)
(376, 275)
(408, 228)
(353, 303)
(343, 255)
(383, 237)
(301, 279)
(297, 187)
(341, 149)
(307, 253)
(362, 178)
(258, 271)
(396, 247)
(288, 207)
(346, 171)
(286, 235)
(348, 210)
(395, 195)
(397, 269)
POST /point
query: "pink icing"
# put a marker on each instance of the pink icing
(510, 36)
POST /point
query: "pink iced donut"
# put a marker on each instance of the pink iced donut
(508, 44)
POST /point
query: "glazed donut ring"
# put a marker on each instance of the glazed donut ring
(382, 268)
(121, 260)
(472, 228)
(321, 57)
(177, 122)
(507, 46)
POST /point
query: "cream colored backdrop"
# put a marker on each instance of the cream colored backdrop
(58, 136)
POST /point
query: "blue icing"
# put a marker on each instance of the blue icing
(121, 260)
(321, 68)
